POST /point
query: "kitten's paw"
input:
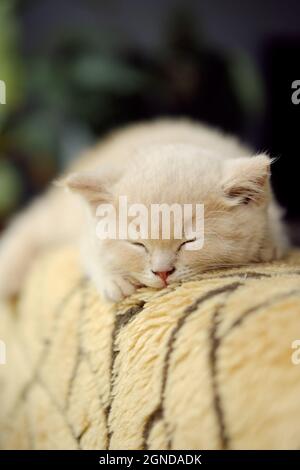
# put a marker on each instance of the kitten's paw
(117, 288)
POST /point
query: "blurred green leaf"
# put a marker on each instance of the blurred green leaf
(108, 74)
(37, 133)
(247, 83)
(10, 64)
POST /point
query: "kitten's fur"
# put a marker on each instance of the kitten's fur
(164, 161)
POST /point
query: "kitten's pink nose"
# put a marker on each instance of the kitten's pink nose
(164, 275)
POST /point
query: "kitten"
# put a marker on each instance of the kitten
(165, 161)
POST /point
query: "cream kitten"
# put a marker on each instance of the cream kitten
(159, 162)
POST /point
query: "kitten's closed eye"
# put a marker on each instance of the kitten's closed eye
(138, 244)
(141, 245)
(182, 245)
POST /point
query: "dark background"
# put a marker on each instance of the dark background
(74, 69)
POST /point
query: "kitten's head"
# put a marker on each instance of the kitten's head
(234, 193)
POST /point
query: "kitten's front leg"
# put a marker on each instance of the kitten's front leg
(98, 263)
(112, 287)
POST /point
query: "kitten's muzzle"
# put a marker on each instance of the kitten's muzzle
(164, 275)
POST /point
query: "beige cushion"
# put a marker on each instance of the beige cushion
(206, 364)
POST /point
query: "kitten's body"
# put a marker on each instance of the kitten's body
(163, 161)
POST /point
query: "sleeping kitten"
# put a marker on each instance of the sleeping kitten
(163, 161)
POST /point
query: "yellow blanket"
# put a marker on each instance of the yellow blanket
(206, 364)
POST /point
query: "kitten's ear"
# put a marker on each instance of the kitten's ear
(89, 186)
(247, 179)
